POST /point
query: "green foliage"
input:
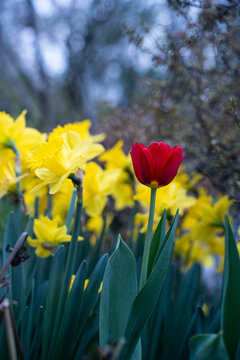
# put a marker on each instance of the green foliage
(118, 292)
(208, 346)
(224, 345)
(174, 318)
(56, 321)
(51, 320)
(230, 319)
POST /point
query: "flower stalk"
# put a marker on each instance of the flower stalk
(143, 277)
(9, 330)
(77, 180)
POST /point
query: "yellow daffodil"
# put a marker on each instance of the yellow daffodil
(95, 224)
(49, 236)
(115, 157)
(29, 182)
(8, 178)
(97, 184)
(122, 191)
(205, 219)
(15, 134)
(61, 200)
(82, 128)
(193, 250)
(62, 156)
(203, 228)
(188, 182)
(44, 150)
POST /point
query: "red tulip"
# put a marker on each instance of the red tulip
(156, 165)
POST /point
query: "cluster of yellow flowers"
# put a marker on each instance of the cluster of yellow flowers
(34, 165)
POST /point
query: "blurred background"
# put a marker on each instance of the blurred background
(140, 70)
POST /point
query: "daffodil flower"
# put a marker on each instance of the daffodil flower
(97, 184)
(48, 236)
(82, 128)
(121, 191)
(15, 135)
(8, 178)
(61, 157)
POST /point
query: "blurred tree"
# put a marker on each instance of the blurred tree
(58, 58)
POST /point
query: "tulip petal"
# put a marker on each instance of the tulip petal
(141, 159)
(161, 153)
(171, 168)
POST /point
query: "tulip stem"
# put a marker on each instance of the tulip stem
(143, 277)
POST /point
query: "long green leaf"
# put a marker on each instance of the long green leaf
(90, 298)
(118, 293)
(181, 315)
(54, 291)
(230, 316)
(66, 339)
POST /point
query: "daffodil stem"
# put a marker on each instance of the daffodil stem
(77, 182)
(18, 169)
(143, 277)
(71, 210)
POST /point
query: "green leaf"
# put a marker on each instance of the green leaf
(230, 316)
(34, 352)
(146, 299)
(66, 339)
(90, 332)
(207, 346)
(181, 319)
(157, 239)
(159, 318)
(53, 294)
(90, 298)
(118, 293)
